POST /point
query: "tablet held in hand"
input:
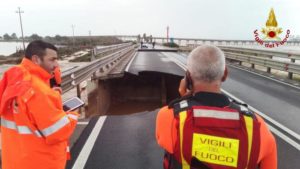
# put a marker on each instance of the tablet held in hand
(72, 104)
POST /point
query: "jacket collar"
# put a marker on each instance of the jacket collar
(35, 69)
(212, 99)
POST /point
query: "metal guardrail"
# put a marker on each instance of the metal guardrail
(104, 49)
(264, 58)
(289, 67)
(71, 79)
(261, 52)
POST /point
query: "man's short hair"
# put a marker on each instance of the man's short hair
(38, 47)
(206, 63)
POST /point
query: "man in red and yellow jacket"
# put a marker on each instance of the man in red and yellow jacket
(35, 129)
(205, 129)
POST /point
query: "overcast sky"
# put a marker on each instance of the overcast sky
(208, 19)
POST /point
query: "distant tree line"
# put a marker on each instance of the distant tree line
(14, 37)
(84, 41)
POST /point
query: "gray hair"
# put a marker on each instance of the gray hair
(206, 63)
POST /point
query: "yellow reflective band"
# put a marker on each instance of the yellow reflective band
(249, 127)
(215, 150)
(182, 118)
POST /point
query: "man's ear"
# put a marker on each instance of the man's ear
(35, 59)
(189, 81)
(225, 74)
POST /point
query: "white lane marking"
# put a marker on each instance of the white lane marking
(275, 131)
(176, 61)
(89, 144)
(163, 59)
(284, 137)
(83, 123)
(127, 67)
(279, 81)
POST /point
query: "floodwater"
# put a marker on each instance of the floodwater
(7, 48)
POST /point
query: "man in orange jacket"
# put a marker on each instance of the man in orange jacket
(205, 129)
(35, 129)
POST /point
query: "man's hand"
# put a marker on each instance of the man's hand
(183, 91)
(57, 89)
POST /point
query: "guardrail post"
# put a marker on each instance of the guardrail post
(78, 90)
(293, 60)
(252, 64)
(269, 68)
(78, 95)
(290, 75)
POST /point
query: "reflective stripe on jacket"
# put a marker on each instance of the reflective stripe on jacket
(34, 127)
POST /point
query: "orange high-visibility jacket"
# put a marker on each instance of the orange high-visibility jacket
(35, 129)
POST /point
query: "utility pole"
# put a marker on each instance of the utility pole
(73, 26)
(19, 11)
(167, 34)
(92, 47)
(90, 37)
